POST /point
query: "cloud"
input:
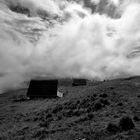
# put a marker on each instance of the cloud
(92, 46)
(48, 7)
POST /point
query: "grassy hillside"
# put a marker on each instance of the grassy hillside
(93, 112)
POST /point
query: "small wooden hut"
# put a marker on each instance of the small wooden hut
(42, 88)
(79, 82)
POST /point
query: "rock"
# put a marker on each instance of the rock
(60, 94)
(126, 124)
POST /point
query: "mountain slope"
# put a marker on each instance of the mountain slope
(88, 112)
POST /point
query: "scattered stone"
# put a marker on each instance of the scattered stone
(126, 124)
(60, 94)
(112, 128)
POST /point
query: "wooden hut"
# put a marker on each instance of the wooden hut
(79, 82)
(42, 88)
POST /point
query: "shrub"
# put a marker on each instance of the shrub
(112, 128)
(98, 106)
(126, 124)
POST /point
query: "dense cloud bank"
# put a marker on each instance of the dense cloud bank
(63, 39)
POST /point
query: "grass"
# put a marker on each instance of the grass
(84, 113)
